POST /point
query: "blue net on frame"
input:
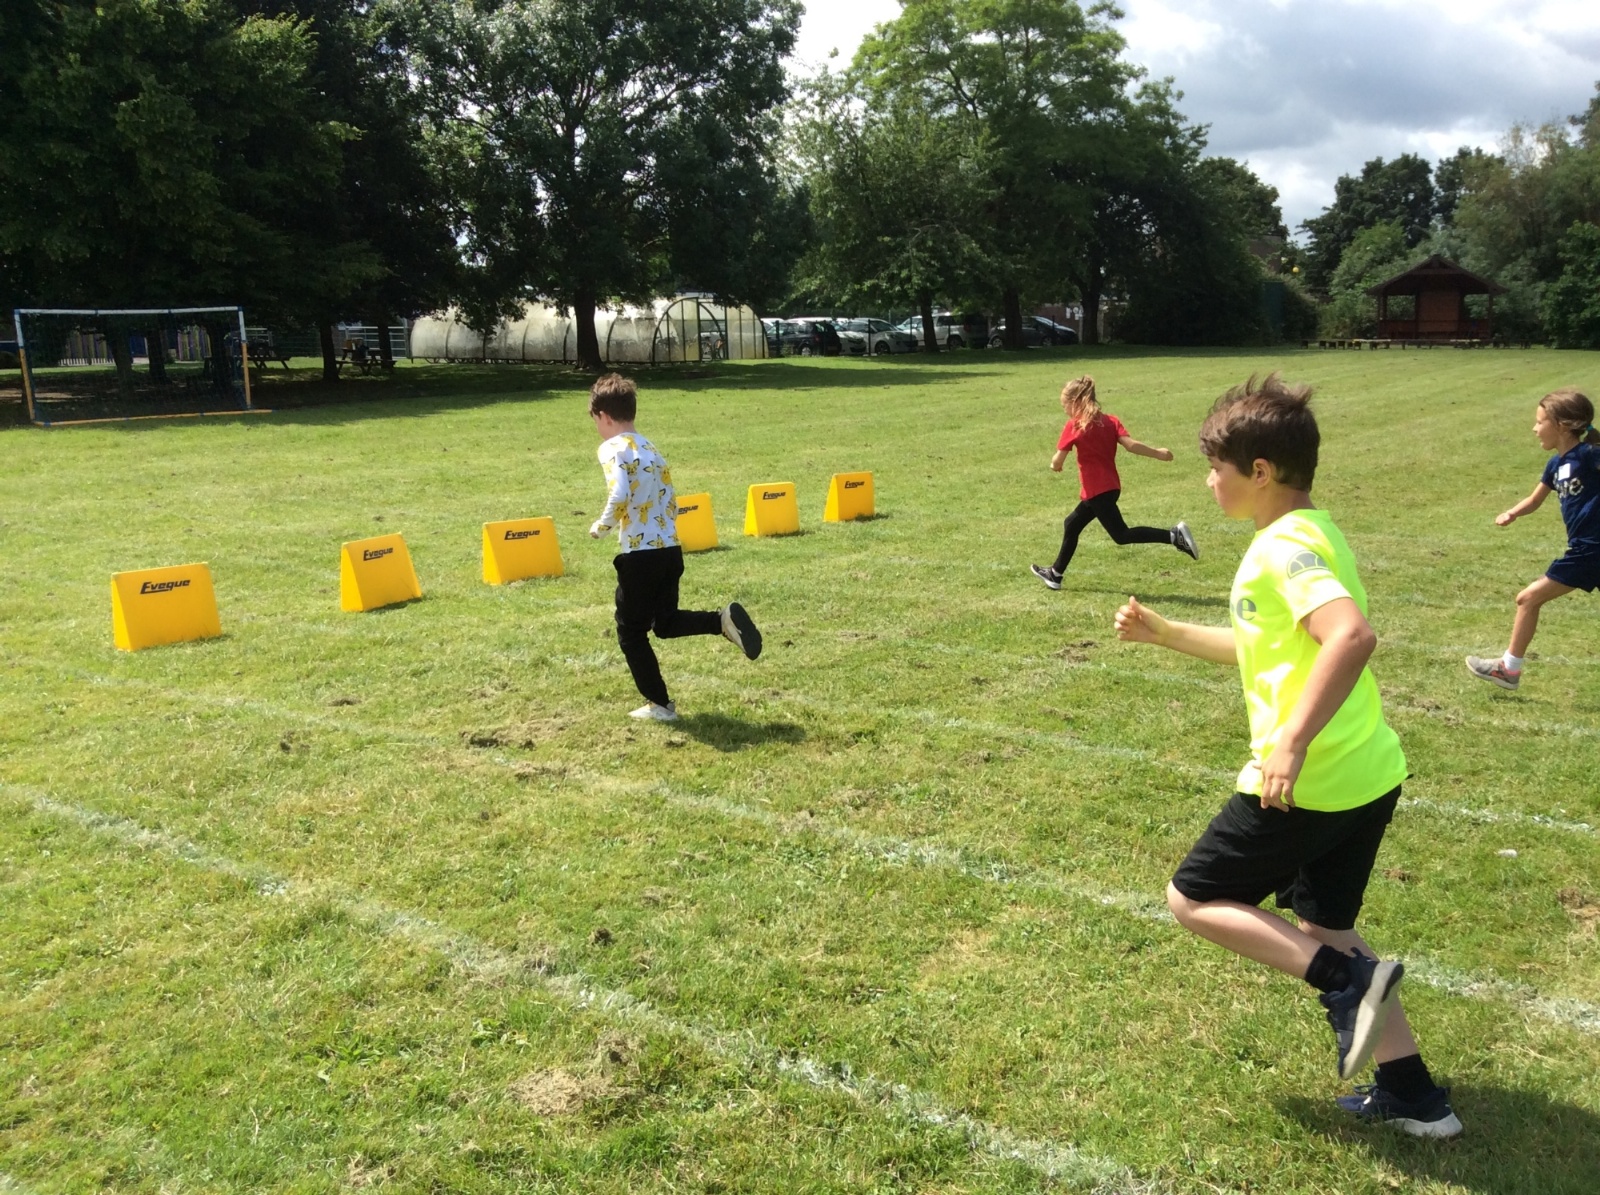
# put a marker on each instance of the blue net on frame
(87, 366)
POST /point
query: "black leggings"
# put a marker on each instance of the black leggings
(647, 600)
(1104, 507)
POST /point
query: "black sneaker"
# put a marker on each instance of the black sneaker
(1049, 576)
(738, 628)
(1358, 1012)
(1183, 540)
(1431, 1116)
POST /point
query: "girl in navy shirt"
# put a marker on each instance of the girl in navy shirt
(1564, 423)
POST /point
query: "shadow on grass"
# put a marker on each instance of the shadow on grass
(1515, 1142)
(735, 734)
(419, 389)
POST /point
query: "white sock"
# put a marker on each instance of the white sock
(1511, 662)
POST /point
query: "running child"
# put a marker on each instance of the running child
(1325, 770)
(1564, 424)
(1096, 434)
(642, 508)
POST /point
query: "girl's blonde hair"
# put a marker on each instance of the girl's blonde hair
(1082, 406)
(1572, 410)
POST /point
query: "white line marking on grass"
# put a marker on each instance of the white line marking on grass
(1508, 817)
(1575, 1014)
(10, 1186)
(1065, 1163)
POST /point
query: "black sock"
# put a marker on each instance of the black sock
(1329, 970)
(1406, 1077)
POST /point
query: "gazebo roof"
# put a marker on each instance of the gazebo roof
(1437, 273)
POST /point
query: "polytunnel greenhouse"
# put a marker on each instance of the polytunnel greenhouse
(669, 330)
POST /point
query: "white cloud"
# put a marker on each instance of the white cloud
(1307, 90)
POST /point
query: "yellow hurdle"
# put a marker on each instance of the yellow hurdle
(376, 572)
(772, 509)
(153, 606)
(516, 549)
(697, 529)
(849, 497)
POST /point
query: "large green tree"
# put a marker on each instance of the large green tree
(1193, 278)
(1572, 301)
(167, 153)
(394, 195)
(898, 196)
(1040, 84)
(610, 149)
(1398, 192)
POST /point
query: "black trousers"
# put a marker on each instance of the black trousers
(647, 600)
(1104, 507)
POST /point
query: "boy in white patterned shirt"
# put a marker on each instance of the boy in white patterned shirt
(641, 507)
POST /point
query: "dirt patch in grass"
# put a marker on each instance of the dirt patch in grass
(559, 1092)
(1585, 910)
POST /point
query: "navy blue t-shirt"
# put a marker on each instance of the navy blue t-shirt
(1575, 476)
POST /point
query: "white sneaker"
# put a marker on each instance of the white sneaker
(656, 713)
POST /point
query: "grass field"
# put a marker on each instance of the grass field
(404, 901)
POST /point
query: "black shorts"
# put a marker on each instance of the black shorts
(1317, 863)
(1579, 568)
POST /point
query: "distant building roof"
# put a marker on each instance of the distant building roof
(1437, 273)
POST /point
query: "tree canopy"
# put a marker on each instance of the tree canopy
(168, 152)
(611, 149)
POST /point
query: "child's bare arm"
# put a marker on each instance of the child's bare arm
(1138, 449)
(1347, 643)
(1527, 506)
(1138, 624)
(1059, 459)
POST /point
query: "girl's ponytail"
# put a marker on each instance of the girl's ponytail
(1081, 402)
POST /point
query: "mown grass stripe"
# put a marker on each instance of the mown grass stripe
(1058, 739)
(1567, 1012)
(1056, 1161)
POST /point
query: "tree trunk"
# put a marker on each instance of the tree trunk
(156, 351)
(122, 354)
(330, 353)
(1013, 306)
(1091, 301)
(930, 342)
(588, 339)
(385, 349)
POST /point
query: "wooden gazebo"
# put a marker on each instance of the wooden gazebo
(1439, 289)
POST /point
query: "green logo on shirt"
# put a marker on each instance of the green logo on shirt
(1304, 562)
(1244, 610)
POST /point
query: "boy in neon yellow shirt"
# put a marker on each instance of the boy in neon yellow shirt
(1325, 769)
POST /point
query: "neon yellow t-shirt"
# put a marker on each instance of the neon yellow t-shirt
(1292, 567)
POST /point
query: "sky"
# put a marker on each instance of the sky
(1307, 90)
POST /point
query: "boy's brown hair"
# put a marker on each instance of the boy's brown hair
(1572, 409)
(616, 396)
(1265, 419)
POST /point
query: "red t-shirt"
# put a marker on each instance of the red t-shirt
(1097, 453)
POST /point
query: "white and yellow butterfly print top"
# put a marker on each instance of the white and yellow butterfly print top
(640, 503)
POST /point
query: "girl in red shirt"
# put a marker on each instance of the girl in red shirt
(1096, 434)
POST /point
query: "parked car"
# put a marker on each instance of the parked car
(1036, 331)
(858, 336)
(785, 338)
(814, 337)
(950, 331)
